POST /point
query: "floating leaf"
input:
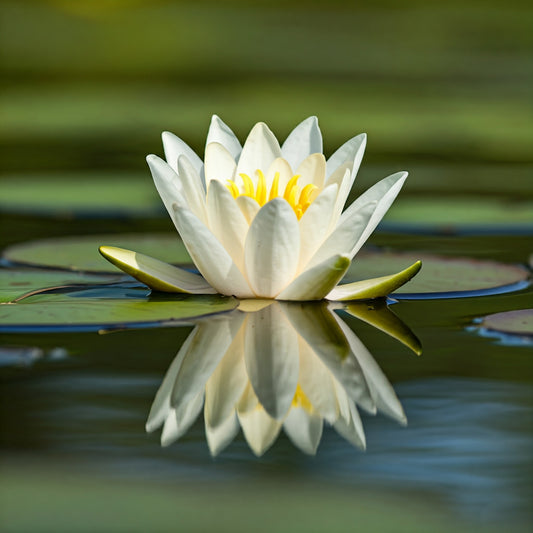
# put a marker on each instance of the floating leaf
(158, 275)
(442, 277)
(374, 287)
(78, 312)
(460, 215)
(81, 195)
(81, 253)
(16, 283)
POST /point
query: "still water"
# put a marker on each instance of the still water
(335, 398)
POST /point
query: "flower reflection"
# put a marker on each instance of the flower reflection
(272, 365)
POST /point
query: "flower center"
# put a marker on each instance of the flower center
(299, 199)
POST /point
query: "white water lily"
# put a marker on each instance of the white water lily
(265, 221)
(280, 366)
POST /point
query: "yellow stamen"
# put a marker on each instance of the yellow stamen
(248, 185)
(261, 193)
(298, 199)
(290, 186)
(233, 189)
(274, 189)
(309, 193)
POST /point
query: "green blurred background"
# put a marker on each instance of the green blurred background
(443, 89)
(90, 84)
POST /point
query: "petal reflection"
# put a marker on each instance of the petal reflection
(277, 365)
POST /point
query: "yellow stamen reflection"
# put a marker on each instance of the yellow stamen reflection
(301, 400)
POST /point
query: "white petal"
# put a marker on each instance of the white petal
(253, 305)
(248, 206)
(352, 430)
(343, 239)
(271, 357)
(344, 182)
(351, 151)
(180, 420)
(304, 429)
(380, 388)
(318, 326)
(285, 174)
(193, 188)
(312, 170)
(317, 383)
(158, 275)
(212, 340)
(219, 164)
(348, 156)
(174, 147)
(339, 175)
(260, 430)
(358, 222)
(272, 248)
(343, 402)
(322, 331)
(260, 149)
(226, 385)
(223, 434)
(220, 132)
(304, 140)
(167, 183)
(161, 407)
(209, 256)
(226, 221)
(384, 192)
(318, 281)
(329, 342)
(315, 222)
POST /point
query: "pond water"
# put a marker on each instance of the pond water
(451, 441)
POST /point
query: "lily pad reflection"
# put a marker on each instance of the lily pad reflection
(271, 366)
(511, 328)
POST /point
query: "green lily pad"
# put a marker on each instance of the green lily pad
(440, 276)
(80, 195)
(460, 215)
(81, 253)
(84, 312)
(16, 283)
(512, 322)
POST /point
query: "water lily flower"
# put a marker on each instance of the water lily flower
(264, 220)
(273, 365)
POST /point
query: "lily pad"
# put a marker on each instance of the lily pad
(80, 195)
(460, 215)
(441, 277)
(74, 312)
(14, 284)
(81, 253)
